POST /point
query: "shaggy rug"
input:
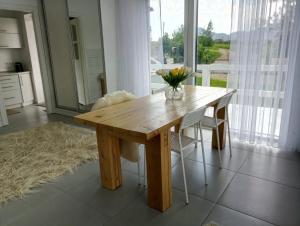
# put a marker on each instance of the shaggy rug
(38, 155)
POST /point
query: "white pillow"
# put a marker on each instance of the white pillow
(116, 97)
(100, 103)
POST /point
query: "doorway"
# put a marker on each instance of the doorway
(22, 90)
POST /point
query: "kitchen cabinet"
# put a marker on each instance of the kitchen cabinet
(11, 91)
(10, 41)
(3, 116)
(26, 88)
(16, 89)
(10, 35)
(9, 25)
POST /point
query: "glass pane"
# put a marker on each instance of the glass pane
(166, 37)
(213, 42)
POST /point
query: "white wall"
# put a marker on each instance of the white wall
(108, 15)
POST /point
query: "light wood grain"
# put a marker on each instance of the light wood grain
(146, 116)
(147, 120)
(158, 158)
(109, 158)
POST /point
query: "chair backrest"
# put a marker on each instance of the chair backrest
(191, 118)
(224, 101)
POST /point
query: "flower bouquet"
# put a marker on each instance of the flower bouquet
(174, 78)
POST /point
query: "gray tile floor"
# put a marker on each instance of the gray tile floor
(254, 188)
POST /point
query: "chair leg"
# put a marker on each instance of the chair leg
(184, 178)
(229, 138)
(138, 167)
(219, 151)
(145, 169)
(196, 135)
(203, 154)
(139, 171)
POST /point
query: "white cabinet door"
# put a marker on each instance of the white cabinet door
(10, 40)
(3, 116)
(9, 25)
(26, 88)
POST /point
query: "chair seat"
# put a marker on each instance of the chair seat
(210, 122)
(184, 139)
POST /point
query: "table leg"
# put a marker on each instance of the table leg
(109, 159)
(158, 156)
(222, 131)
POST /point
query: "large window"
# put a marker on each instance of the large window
(213, 42)
(167, 37)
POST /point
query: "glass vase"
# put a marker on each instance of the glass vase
(173, 93)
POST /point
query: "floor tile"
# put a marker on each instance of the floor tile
(212, 157)
(275, 169)
(272, 202)
(268, 151)
(61, 211)
(14, 209)
(217, 179)
(227, 217)
(138, 213)
(78, 176)
(105, 201)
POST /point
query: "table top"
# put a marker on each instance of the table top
(145, 117)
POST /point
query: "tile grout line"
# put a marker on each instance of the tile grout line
(110, 218)
(216, 203)
(250, 215)
(269, 180)
(218, 198)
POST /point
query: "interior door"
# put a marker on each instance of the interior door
(61, 53)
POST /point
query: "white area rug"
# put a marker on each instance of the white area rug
(34, 156)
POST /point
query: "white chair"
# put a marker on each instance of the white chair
(214, 122)
(180, 142)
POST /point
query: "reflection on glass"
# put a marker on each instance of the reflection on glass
(213, 42)
(167, 32)
(88, 63)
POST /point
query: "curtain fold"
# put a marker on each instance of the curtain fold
(261, 40)
(290, 123)
(133, 46)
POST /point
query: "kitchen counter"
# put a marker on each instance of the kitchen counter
(7, 73)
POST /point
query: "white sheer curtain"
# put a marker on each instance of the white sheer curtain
(261, 41)
(290, 123)
(133, 46)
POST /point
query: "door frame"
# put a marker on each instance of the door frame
(43, 51)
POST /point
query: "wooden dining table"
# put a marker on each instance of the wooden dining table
(148, 120)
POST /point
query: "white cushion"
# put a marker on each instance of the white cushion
(113, 98)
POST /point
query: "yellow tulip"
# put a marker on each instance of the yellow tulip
(181, 71)
(174, 72)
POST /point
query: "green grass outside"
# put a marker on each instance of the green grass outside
(213, 82)
(222, 45)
